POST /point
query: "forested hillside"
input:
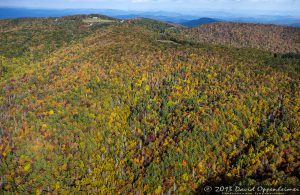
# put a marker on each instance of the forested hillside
(278, 39)
(133, 107)
(40, 36)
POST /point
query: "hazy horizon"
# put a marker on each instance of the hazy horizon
(192, 7)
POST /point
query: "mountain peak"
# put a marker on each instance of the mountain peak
(200, 21)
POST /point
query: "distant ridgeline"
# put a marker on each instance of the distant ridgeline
(93, 104)
(193, 23)
(24, 12)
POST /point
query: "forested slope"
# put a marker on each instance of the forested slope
(40, 36)
(130, 109)
(273, 38)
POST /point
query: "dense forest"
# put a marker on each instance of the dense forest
(92, 104)
(277, 39)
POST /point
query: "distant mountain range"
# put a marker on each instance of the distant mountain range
(200, 21)
(188, 20)
(162, 16)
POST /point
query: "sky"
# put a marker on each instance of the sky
(287, 7)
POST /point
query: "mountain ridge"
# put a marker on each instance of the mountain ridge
(200, 21)
(274, 38)
(6, 12)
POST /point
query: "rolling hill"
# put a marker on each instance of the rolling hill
(278, 39)
(198, 22)
(140, 106)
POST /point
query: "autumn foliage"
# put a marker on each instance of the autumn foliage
(112, 109)
(273, 38)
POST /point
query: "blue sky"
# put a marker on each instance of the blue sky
(289, 7)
